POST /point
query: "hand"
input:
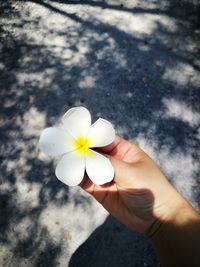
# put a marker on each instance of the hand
(139, 195)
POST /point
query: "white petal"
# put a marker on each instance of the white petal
(77, 121)
(101, 133)
(99, 168)
(55, 141)
(70, 169)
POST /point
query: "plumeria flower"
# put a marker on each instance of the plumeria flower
(74, 143)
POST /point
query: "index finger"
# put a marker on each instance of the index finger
(109, 148)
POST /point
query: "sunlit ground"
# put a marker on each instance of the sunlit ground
(130, 62)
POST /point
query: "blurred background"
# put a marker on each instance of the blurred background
(135, 63)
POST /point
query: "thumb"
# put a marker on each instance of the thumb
(122, 176)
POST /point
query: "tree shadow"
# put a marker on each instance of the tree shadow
(172, 8)
(118, 74)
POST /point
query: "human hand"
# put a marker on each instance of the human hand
(139, 195)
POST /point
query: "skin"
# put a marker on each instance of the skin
(141, 197)
(137, 195)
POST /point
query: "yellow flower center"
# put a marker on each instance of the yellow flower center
(81, 144)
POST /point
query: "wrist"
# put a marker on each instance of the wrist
(177, 237)
(169, 205)
(178, 215)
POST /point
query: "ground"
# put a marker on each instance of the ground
(135, 63)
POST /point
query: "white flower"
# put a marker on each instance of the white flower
(75, 142)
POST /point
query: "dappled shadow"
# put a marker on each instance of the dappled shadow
(112, 244)
(140, 72)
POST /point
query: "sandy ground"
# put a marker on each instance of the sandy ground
(131, 62)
